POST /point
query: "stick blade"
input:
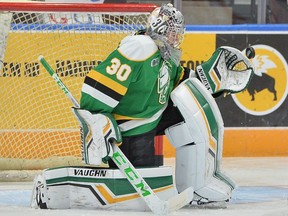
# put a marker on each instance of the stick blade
(180, 200)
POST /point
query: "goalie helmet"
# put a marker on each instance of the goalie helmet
(168, 22)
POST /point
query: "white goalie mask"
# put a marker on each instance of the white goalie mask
(168, 22)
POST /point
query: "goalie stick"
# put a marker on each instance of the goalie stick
(157, 206)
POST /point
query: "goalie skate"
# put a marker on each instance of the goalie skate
(203, 203)
(39, 196)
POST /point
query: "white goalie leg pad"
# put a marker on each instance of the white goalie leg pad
(98, 188)
(198, 142)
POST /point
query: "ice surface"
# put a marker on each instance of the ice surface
(262, 191)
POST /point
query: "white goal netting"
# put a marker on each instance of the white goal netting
(38, 129)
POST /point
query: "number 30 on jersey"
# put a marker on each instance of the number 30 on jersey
(122, 71)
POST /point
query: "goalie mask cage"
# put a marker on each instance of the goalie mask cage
(38, 129)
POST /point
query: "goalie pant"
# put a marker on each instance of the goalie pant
(198, 142)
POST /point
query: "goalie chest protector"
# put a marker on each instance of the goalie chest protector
(94, 188)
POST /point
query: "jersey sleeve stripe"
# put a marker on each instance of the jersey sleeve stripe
(106, 81)
(98, 95)
(102, 88)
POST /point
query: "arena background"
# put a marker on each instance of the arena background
(256, 127)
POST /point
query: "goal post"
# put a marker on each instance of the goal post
(37, 127)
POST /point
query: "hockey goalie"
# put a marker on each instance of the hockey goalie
(139, 91)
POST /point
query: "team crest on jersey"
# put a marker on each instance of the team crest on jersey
(268, 88)
(163, 82)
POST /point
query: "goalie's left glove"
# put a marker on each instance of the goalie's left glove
(228, 70)
(105, 131)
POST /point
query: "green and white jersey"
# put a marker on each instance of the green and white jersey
(134, 84)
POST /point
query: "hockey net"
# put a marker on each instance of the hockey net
(38, 129)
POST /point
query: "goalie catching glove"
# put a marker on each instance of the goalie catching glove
(101, 130)
(228, 71)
